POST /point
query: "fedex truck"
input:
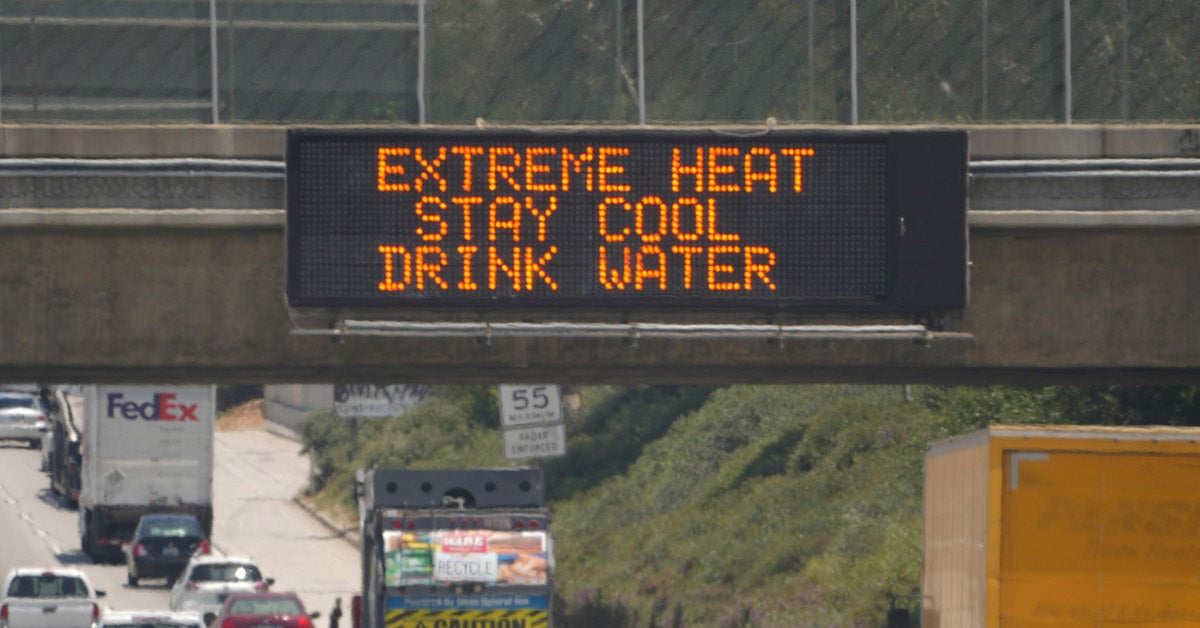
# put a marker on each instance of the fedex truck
(145, 449)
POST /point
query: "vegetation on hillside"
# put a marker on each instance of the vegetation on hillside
(733, 506)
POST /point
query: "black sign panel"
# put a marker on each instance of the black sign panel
(626, 218)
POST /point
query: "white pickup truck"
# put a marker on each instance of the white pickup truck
(49, 598)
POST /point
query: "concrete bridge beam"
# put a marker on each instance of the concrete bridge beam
(1098, 285)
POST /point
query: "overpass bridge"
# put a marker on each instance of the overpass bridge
(156, 254)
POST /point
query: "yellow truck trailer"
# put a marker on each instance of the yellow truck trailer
(1059, 526)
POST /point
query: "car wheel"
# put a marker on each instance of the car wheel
(170, 581)
(131, 579)
(35, 444)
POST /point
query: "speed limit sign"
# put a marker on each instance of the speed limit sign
(529, 404)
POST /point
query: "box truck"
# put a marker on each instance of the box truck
(467, 547)
(145, 449)
(1062, 526)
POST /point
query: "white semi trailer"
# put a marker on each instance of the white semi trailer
(145, 449)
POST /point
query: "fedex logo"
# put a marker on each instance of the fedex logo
(162, 407)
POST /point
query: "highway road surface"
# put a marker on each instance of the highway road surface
(256, 476)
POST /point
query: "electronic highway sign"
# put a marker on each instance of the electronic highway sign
(590, 218)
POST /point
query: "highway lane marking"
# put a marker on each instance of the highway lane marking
(45, 536)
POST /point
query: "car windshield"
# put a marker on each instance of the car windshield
(225, 572)
(47, 585)
(171, 527)
(17, 401)
(265, 606)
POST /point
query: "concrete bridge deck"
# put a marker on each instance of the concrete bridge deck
(156, 254)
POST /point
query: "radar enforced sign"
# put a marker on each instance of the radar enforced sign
(544, 441)
(531, 415)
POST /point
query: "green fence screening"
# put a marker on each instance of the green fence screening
(600, 61)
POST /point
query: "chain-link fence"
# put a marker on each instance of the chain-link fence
(601, 61)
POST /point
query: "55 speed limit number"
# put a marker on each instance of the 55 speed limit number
(529, 404)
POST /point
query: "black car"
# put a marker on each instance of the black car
(162, 545)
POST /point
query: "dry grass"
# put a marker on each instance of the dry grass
(247, 416)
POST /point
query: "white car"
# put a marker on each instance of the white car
(208, 580)
(150, 619)
(22, 417)
(49, 598)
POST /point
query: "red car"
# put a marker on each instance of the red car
(264, 610)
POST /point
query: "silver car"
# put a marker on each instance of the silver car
(208, 580)
(22, 418)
